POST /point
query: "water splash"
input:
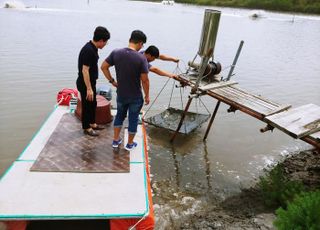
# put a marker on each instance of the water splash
(14, 5)
(255, 14)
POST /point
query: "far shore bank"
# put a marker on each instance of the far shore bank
(288, 6)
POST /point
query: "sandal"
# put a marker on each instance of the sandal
(90, 132)
(97, 127)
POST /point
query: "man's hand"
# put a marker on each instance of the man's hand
(145, 85)
(176, 60)
(89, 95)
(174, 76)
(146, 100)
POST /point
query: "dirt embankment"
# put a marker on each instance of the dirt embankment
(247, 210)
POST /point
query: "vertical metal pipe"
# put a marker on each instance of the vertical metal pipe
(181, 120)
(235, 61)
(202, 69)
(211, 120)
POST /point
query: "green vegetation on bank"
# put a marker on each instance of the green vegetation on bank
(277, 190)
(301, 6)
(297, 207)
(302, 213)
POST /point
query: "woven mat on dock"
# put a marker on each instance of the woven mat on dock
(69, 150)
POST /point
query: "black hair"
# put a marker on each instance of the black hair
(153, 51)
(138, 36)
(101, 33)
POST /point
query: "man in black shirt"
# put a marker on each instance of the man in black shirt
(87, 77)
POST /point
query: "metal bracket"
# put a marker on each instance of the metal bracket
(231, 109)
(196, 93)
(194, 96)
(267, 128)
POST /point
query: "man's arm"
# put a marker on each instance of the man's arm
(161, 72)
(145, 85)
(86, 78)
(105, 69)
(164, 57)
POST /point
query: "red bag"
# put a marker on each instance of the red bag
(64, 96)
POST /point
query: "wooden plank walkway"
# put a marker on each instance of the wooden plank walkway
(302, 122)
(217, 85)
(297, 122)
(250, 101)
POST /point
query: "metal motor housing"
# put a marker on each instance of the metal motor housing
(209, 32)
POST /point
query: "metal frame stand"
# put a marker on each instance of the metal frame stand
(218, 103)
(182, 119)
(227, 79)
(211, 120)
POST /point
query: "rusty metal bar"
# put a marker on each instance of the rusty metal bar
(311, 142)
(211, 120)
(181, 120)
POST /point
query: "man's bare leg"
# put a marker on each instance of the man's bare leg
(130, 138)
(116, 134)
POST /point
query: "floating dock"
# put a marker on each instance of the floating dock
(63, 174)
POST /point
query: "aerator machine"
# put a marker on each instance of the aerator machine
(200, 76)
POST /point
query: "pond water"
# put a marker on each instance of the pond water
(39, 46)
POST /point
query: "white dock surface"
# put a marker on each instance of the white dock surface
(61, 195)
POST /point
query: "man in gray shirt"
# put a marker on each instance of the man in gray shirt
(132, 72)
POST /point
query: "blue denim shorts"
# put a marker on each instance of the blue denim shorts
(132, 106)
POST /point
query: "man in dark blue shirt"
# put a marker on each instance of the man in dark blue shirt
(131, 71)
(87, 77)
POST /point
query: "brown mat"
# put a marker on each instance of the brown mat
(69, 150)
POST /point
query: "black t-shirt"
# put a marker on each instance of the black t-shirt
(88, 56)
